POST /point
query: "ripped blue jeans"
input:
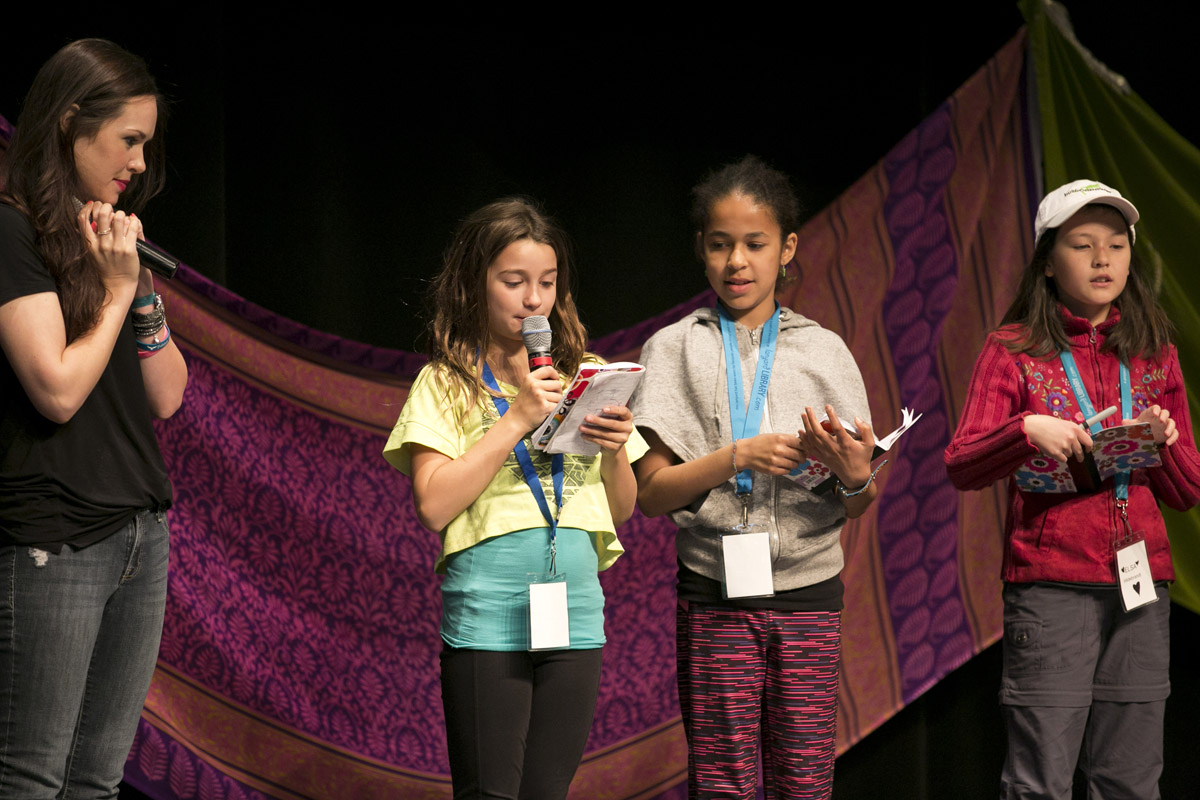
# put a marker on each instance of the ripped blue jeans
(79, 636)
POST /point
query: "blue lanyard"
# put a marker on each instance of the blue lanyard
(527, 468)
(745, 423)
(1121, 479)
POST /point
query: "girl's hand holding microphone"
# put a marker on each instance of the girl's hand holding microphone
(540, 393)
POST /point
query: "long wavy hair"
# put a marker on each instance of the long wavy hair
(83, 86)
(459, 334)
(1034, 323)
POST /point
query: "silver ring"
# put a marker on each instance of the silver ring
(104, 233)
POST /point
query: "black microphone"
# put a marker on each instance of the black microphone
(157, 260)
(535, 331)
(150, 256)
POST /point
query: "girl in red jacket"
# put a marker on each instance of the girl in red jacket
(1085, 642)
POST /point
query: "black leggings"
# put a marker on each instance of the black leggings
(517, 722)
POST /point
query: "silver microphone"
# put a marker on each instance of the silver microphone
(535, 331)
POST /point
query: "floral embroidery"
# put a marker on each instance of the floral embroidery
(1045, 384)
(1150, 391)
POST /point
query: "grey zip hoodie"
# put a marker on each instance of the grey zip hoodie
(684, 400)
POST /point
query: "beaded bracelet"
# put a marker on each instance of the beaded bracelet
(841, 487)
(734, 459)
(150, 323)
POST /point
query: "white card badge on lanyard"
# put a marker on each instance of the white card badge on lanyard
(745, 552)
(1133, 571)
(549, 628)
(1131, 563)
(548, 625)
(746, 562)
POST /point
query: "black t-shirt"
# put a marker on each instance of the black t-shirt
(83, 480)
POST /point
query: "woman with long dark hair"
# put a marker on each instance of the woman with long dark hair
(87, 362)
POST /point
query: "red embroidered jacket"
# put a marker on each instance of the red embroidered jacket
(1068, 537)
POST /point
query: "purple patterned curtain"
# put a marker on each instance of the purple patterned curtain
(299, 657)
(913, 265)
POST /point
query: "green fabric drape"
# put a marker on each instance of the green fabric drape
(1092, 127)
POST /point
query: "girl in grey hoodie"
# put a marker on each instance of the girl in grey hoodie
(727, 407)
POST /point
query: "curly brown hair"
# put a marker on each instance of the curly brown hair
(765, 185)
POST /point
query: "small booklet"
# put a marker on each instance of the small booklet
(594, 387)
(1118, 449)
(814, 475)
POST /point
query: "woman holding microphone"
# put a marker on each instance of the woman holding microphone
(86, 362)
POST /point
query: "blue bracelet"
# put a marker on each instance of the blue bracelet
(154, 347)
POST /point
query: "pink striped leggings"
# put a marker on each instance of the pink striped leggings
(738, 666)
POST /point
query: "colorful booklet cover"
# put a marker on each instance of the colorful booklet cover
(814, 475)
(594, 387)
(1117, 449)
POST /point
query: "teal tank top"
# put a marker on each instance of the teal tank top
(485, 591)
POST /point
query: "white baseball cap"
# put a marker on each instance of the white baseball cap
(1061, 204)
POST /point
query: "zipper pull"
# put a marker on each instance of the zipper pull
(753, 336)
(1092, 335)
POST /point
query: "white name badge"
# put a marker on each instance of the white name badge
(1133, 573)
(746, 562)
(548, 627)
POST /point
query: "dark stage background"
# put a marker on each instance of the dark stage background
(317, 166)
(318, 163)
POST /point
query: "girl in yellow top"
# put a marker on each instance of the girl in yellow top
(517, 720)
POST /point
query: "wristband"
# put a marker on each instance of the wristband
(147, 349)
(841, 487)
